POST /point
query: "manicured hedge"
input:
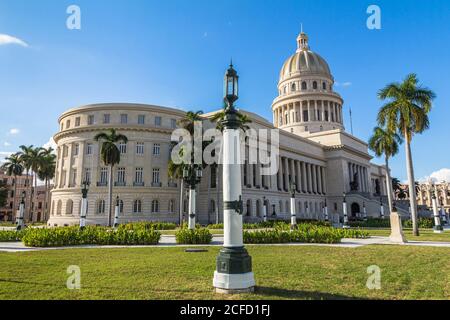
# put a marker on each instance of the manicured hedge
(424, 223)
(149, 226)
(372, 223)
(73, 236)
(304, 234)
(11, 236)
(272, 224)
(197, 236)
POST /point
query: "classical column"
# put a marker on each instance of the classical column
(280, 174)
(304, 178)
(298, 176)
(324, 180)
(286, 175)
(310, 189)
(314, 178)
(309, 111)
(319, 179)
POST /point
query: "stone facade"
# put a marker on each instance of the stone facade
(315, 152)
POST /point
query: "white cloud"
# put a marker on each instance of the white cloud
(7, 39)
(343, 84)
(438, 176)
(14, 131)
(51, 143)
(3, 155)
(7, 144)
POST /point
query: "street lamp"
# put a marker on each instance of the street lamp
(437, 219)
(192, 176)
(19, 220)
(292, 188)
(344, 209)
(116, 213)
(84, 204)
(234, 264)
(381, 208)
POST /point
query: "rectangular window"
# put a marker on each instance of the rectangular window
(123, 118)
(156, 176)
(89, 149)
(104, 176)
(173, 123)
(214, 177)
(123, 148)
(140, 148)
(106, 118)
(68, 124)
(156, 149)
(76, 149)
(121, 175)
(158, 121)
(74, 178)
(77, 121)
(141, 119)
(91, 120)
(87, 175)
(139, 175)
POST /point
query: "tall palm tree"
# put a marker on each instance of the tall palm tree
(385, 142)
(13, 167)
(407, 113)
(188, 122)
(46, 173)
(220, 116)
(110, 155)
(396, 186)
(31, 158)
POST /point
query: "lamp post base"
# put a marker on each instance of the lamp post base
(234, 272)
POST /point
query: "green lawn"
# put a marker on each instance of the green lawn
(425, 235)
(281, 273)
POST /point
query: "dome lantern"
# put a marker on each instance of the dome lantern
(302, 41)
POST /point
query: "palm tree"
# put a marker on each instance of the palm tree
(407, 113)
(385, 142)
(220, 116)
(396, 185)
(188, 122)
(31, 158)
(46, 173)
(110, 155)
(13, 167)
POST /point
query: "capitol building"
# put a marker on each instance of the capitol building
(316, 152)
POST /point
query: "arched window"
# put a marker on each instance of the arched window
(137, 206)
(293, 87)
(304, 85)
(315, 85)
(171, 206)
(324, 86)
(155, 206)
(69, 207)
(59, 208)
(101, 207)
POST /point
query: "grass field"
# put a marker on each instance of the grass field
(425, 235)
(281, 273)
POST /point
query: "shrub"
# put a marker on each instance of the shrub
(424, 223)
(371, 223)
(216, 226)
(305, 233)
(72, 236)
(11, 235)
(197, 236)
(148, 226)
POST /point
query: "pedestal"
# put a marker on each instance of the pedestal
(397, 235)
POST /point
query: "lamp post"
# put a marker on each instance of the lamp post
(292, 188)
(325, 209)
(364, 212)
(437, 219)
(84, 204)
(264, 209)
(192, 175)
(234, 264)
(443, 214)
(344, 209)
(20, 213)
(381, 208)
(116, 213)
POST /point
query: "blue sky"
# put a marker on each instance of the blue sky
(174, 53)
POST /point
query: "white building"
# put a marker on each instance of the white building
(315, 151)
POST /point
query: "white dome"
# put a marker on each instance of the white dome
(305, 62)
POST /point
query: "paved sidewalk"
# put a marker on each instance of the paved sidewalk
(169, 241)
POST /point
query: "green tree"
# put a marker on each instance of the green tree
(13, 167)
(3, 194)
(110, 155)
(406, 112)
(220, 116)
(46, 173)
(385, 142)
